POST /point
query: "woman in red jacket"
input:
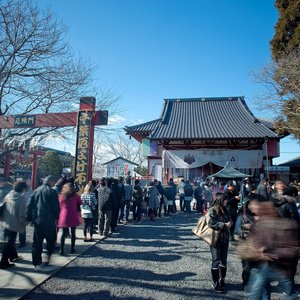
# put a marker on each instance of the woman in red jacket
(69, 214)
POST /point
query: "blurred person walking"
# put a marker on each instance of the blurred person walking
(276, 240)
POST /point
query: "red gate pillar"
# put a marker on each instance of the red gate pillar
(7, 165)
(33, 172)
(35, 155)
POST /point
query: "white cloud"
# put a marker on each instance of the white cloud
(115, 120)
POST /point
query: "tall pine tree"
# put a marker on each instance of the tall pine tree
(287, 29)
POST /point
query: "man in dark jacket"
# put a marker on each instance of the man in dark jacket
(232, 205)
(105, 204)
(262, 189)
(43, 211)
(174, 191)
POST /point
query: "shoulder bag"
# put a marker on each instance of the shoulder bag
(204, 232)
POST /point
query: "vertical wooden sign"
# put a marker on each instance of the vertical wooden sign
(84, 143)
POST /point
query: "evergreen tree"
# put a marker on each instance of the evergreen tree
(49, 164)
(287, 29)
(141, 170)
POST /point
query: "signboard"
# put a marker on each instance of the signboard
(149, 148)
(24, 121)
(278, 169)
(146, 147)
(82, 148)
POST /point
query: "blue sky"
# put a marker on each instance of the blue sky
(148, 50)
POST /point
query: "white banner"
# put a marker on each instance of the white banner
(238, 159)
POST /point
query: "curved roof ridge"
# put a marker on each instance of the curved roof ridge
(233, 98)
(205, 118)
(143, 124)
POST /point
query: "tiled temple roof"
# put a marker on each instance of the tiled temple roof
(204, 118)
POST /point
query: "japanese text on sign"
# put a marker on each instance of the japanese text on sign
(82, 151)
(24, 121)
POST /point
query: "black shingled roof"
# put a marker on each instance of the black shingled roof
(204, 118)
(147, 127)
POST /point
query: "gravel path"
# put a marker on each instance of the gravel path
(147, 260)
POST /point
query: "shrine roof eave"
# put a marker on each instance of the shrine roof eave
(215, 138)
(146, 127)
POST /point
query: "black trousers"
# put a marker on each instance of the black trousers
(41, 233)
(136, 209)
(9, 248)
(88, 226)
(219, 253)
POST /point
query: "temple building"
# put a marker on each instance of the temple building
(197, 137)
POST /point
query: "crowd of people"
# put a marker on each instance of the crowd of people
(57, 206)
(265, 215)
(265, 220)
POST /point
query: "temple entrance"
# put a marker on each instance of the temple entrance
(85, 119)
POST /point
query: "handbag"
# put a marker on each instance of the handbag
(86, 209)
(204, 232)
(246, 250)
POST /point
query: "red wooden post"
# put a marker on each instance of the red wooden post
(7, 165)
(33, 172)
(34, 168)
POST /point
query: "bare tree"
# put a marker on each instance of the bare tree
(281, 97)
(39, 73)
(116, 145)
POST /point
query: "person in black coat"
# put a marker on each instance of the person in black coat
(284, 200)
(105, 205)
(162, 204)
(232, 206)
(137, 198)
(43, 211)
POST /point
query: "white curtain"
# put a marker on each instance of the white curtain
(239, 159)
